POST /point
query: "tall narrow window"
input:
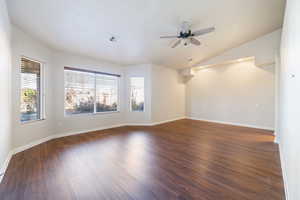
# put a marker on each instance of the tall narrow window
(137, 94)
(90, 92)
(31, 87)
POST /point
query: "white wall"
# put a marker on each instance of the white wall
(165, 82)
(5, 70)
(238, 93)
(164, 94)
(139, 71)
(289, 110)
(24, 45)
(77, 123)
(168, 94)
(263, 49)
(54, 63)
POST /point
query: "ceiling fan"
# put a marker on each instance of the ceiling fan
(188, 36)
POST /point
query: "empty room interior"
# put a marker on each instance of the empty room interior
(150, 100)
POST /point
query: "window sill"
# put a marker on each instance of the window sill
(32, 121)
(91, 114)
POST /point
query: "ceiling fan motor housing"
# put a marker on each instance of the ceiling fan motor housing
(185, 34)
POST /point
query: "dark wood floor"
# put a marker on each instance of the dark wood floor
(181, 160)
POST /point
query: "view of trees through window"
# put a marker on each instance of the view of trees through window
(106, 93)
(90, 92)
(30, 105)
(137, 93)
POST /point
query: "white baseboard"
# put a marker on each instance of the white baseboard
(166, 121)
(5, 165)
(59, 135)
(155, 123)
(284, 174)
(138, 124)
(32, 144)
(232, 123)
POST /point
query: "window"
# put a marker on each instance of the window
(106, 93)
(137, 94)
(90, 92)
(79, 92)
(31, 90)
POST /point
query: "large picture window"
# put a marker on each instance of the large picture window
(31, 90)
(90, 92)
(137, 94)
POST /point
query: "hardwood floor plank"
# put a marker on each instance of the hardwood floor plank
(180, 160)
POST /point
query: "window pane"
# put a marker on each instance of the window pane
(106, 93)
(30, 90)
(137, 94)
(79, 92)
(90, 92)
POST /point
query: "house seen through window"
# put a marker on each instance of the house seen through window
(137, 94)
(90, 92)
(31, 87)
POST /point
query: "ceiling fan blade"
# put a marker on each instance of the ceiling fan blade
(203, 31)
(173, 36)
(176, 43)
(195, 41)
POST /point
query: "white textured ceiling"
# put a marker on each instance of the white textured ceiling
(84, 26)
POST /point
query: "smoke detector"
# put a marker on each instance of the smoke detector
(112, 39)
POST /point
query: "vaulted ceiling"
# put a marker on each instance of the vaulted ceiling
(85, 26)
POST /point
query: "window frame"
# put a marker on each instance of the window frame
(42, 96)
(130, 102)
(95, 88)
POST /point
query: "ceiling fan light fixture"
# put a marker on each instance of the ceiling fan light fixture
(187, 36)
(187, 42)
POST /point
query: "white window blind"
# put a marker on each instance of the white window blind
(137, 96)
(90, 92)
(31, 99)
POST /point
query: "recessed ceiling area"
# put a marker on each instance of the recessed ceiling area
(84, 27)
